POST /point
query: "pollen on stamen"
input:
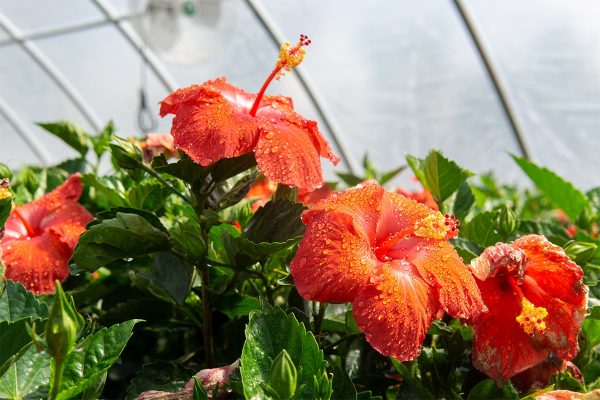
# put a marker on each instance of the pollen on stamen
(437, 226)
(290, 57)
(531, 319)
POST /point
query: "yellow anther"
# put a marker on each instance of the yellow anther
(289, 57)
(531, 318)
(5, 193)
(431, 227)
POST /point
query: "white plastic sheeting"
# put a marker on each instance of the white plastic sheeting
(396, 76)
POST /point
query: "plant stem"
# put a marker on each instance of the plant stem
(319, 318)
(207, 319)
(58, 373)
(164, 182)
(341, 340)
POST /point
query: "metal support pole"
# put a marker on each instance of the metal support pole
(305, 81)
(53, 72)
(494, 78)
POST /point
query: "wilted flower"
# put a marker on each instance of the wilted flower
(536, 300)
(391, 258)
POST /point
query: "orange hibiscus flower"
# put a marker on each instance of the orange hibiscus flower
(536, 300)
(390, 257)
(217, 120)
(41, 235)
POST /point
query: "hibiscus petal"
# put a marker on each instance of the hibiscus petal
(440, 266)
(37, 262)
(68, 222)
(395, 311)
(501, 348)
(563, 321)
(552, 269)
(399, 215)
(211, 121)
(361, 204)
(286, 154)
(333, 261)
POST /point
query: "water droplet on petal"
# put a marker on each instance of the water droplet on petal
(206, 162)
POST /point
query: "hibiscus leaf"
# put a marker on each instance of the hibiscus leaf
(349, 179)
(555, 232)
(69, 133)
(230, 167)
(269, 331)
(28, 377)
(343, 387)
(487, 389)
(418, 167)
(95, 355)
(148, 195)
(124, 236)
(106, 191)
(560, 192)
(463, 201)
(414, 383)
(593, 312)
(102, 139)
(247, 252)
(237, 305)
(443, 176)
(17, 303)
(482, 229)
(276, 221)
(391, 174)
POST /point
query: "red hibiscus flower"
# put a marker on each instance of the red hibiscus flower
(311, 197)
(41, 235)
(217, 120)
(568, 395)
(390, 257)
(536, 300)
(261, 192)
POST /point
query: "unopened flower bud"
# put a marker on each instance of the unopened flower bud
(5, 172)
(63, 325)
(581, 252)
(283, 377)
(127, 154)
(507, 221)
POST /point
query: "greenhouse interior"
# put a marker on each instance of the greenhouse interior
(299, 199)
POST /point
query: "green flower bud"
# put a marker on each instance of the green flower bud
(507, 221)
(127, 154)
(283, 377)
(581, 252)
(5, 172)
(63, 325)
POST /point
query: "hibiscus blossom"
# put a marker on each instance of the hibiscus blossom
(391, 258)
(41, 235)
(217, 120)
(536, 300)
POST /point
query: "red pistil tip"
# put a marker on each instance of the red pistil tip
(451, 224)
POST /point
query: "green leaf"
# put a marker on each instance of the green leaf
(14, 340)
(276, 221)
(97, 353)
(443, 176)
(102, 139)
(125, 235)
(463, 202)
(413, 382)
(237, 305)
(173, 275)
(556, 233)
(185, 169)
(148, 195)
(28, 377)
(482, 229)
(230, 167)
(418, 167)
(593, 312)
(466, 249)
(269, 331)
(349, 179)
(391, 174)
(343, 388)
(107, 191)
(487, 389)
(17, 303)
(199, 392)
(70, 133)
(560, 192)
(246, 252)
(188, 240)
